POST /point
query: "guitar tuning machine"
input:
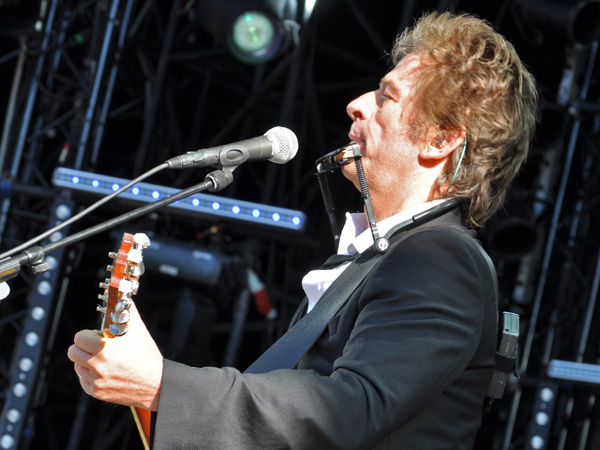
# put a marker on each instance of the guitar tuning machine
(113, 256)
(142, 240)
(134, 271)
(135, 287)
(120, 318)
(123, 305)
(117, 329)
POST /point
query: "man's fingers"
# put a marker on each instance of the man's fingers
(83, 372)
(84, 375)
(90, 341)
(77, 355)
(126, 369)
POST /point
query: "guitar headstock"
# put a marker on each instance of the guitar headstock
(119, 289)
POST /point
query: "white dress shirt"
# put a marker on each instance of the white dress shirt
(355, 237)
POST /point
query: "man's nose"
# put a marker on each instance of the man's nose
(358, 109)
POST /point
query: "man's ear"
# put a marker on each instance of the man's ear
(441, 145)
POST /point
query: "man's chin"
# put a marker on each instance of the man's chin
(349, 172)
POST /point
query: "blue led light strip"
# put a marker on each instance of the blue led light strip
(201, 203)
(574, 371)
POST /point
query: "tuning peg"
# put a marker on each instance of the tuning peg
(103, 297)
(117, 329)
(101, 309)
(142, 240)
(134, 271)
(112, 255)
(123, 305)
(120, 317)
(103, 285)
(110, 268)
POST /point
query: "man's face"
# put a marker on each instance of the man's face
(381, 128)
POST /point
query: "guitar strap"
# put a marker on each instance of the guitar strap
(289, 348)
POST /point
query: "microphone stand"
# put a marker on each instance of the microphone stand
(33, 257)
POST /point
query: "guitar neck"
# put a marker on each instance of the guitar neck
(143, 421)
(126, 269)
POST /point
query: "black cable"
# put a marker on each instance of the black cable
(83, 213)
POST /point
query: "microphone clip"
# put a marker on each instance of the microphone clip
(220, 179)
(229, 157)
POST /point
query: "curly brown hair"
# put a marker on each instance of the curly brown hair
(472, 80)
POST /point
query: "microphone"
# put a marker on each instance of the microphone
(4, 290)
(277, 145)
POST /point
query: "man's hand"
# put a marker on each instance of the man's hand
(125, 369)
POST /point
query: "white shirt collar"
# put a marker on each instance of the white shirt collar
(356, 235)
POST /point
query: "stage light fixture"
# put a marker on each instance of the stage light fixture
(200, 204)
(29, 350)
(543, 410)
(253, 33)
(251, 30)
(574, 371)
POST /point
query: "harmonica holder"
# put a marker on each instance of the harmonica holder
(330, 163)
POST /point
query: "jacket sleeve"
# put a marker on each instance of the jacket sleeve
(417, 323)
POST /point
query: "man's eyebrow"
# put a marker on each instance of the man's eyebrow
(387, 83)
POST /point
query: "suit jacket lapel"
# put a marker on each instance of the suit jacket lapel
(450, 219)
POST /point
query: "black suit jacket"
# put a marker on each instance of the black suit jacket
(405, 364)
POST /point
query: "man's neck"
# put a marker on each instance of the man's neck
(384, 210)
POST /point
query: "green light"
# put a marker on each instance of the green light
(251, 28)
(253, 32)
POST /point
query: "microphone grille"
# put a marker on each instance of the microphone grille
(285, 144)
